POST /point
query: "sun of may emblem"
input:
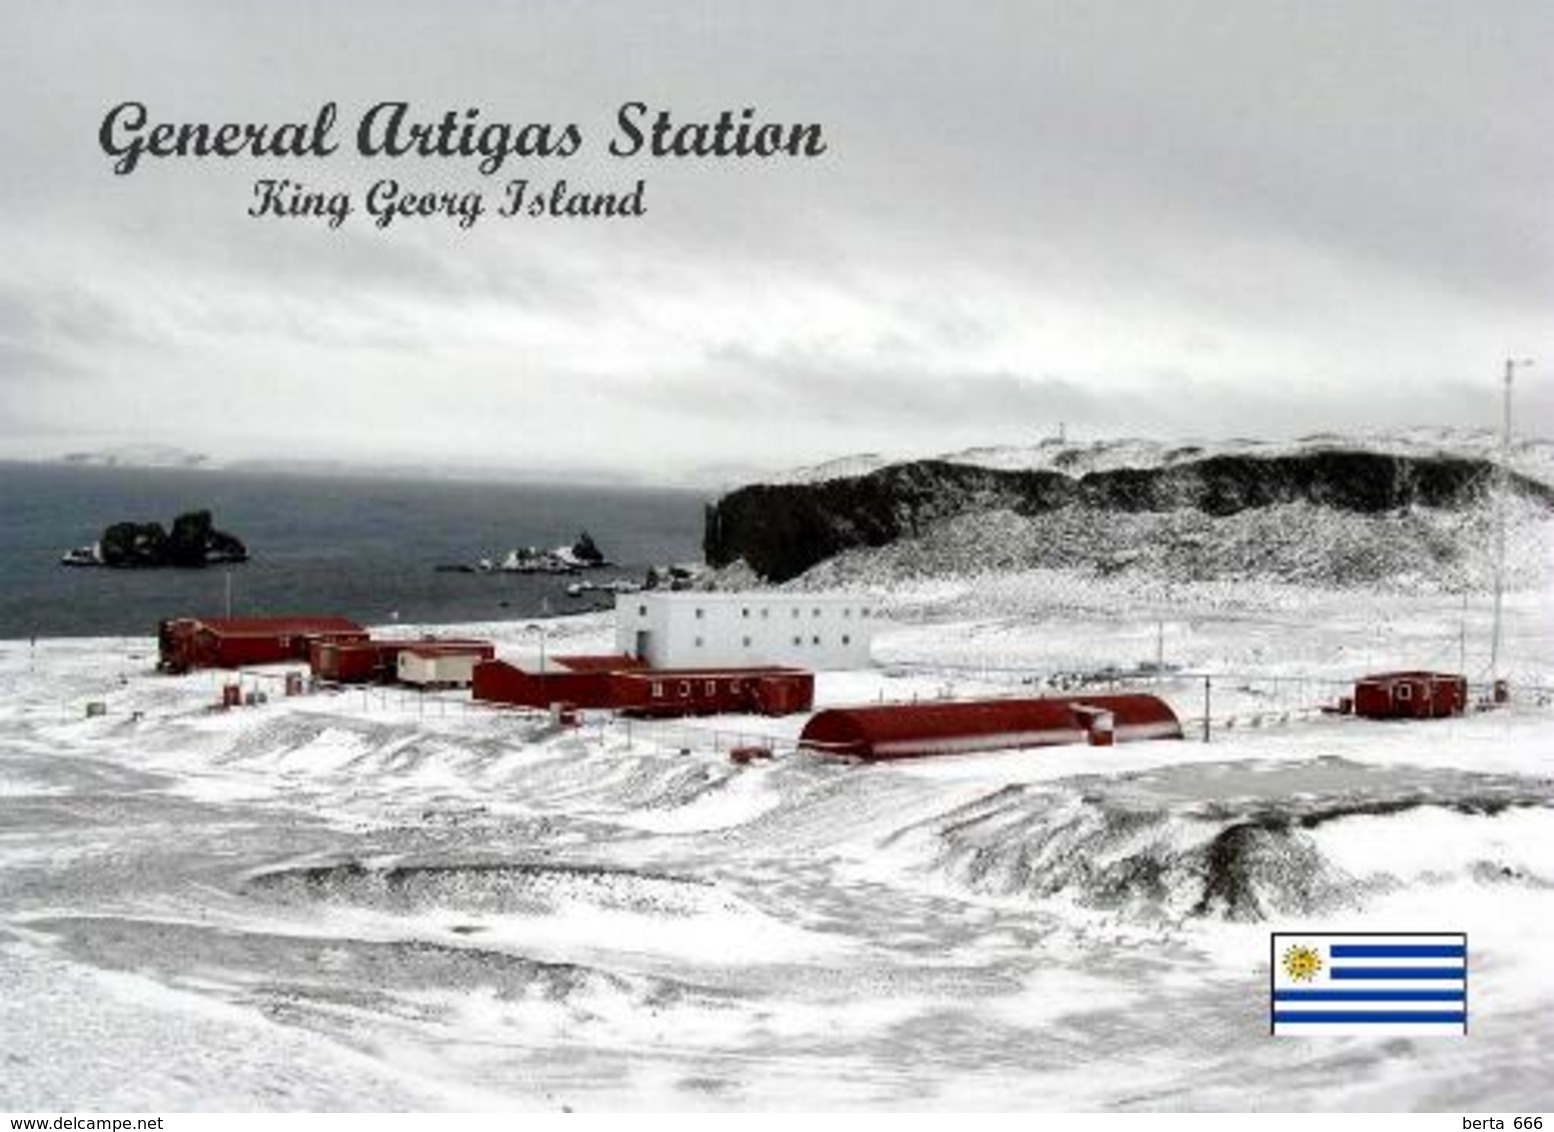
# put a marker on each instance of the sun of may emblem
(1302, 963)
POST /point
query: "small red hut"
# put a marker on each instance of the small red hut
(1410, 695)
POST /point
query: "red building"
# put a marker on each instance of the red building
(640, 691)
(713, 691)
(185, 643)
(1410, 695)
(903, 731)
(377, 662)
(354, 662)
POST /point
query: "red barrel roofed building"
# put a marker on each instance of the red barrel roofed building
(902, 731)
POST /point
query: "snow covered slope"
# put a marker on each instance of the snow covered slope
(386, 899)
(1402, 509)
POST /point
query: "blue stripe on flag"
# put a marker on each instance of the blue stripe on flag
(1370, 995)
(1398, 951)
(1458, 1017)
(1398, 973)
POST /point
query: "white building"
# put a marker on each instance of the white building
(440, 665)
(686, 629)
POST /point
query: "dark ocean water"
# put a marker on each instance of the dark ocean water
(361, 547)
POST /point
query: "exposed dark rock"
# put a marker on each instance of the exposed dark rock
(193, 542)
(781, 530)
(134, 544)
(586, 551)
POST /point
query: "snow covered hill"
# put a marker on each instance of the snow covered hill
(1400, 509)
(379, 898)
(1533, 457)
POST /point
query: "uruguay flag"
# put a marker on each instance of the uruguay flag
(1368, 984)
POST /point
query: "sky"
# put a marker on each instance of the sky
(1172, 220)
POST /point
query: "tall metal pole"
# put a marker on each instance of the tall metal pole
(1502, 488)
(1462, 639)
(1206, 695)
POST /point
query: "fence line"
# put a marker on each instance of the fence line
(1244, 702)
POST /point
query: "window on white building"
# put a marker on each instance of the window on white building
(816, 640)
(698, 642)
(747, 642)
(798, 641)
(846, 640)
(641, 611)
(698, 615)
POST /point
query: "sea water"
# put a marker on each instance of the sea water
(362, 547)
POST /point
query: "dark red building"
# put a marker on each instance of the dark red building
(184, 643)
(1410, 695)
(640, 691)
(903, 731)
(713, 691)
(354, 662)
(377, 662)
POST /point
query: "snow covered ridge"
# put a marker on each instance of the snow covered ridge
(1159, 845)
(139, 456)
(1354, 501)
(1532, 457)
(1299, 544)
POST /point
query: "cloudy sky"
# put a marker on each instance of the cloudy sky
(1174, 219)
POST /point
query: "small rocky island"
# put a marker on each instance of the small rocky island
(584, 554)
(192, 542)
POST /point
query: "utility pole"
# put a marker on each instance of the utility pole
(1206, 697)
(1462, 639)
(1502, 489)
(227, 581)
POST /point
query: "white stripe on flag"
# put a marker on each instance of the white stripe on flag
(1351, 983)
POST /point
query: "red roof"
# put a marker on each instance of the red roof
(1410, 675)
(704, 673)
(603, 663)
(444, 646)
(895, 731)
(355, 646)
(278, 626)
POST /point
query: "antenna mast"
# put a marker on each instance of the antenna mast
(1502, 488)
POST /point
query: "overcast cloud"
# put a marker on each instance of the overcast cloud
(1176, 219)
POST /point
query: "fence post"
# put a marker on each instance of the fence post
(1206, 700)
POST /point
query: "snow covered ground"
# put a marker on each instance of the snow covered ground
(1533, 456)
(376, 899)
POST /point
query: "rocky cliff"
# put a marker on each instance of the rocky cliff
(782, 530)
